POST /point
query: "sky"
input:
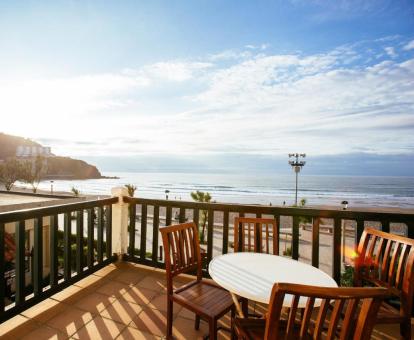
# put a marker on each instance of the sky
(223, 79)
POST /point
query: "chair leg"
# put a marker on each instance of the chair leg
(233, 316)
(405, 330)
(170, 305)
(197, 322)
(245, 306)
(212, 325)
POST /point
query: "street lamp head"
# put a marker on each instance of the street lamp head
(303, 154)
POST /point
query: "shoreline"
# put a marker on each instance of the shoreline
(68, 194)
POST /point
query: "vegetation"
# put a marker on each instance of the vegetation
(10, 172)
(131, 189)
(303, 219)
(75, 191)
(33, 172)
(347, 277)
(203, 197)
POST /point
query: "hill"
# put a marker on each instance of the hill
(57, 167)
(9, 144)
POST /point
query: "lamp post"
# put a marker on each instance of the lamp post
(51, 187)
(296, 165)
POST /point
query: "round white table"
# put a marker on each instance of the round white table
(252, 275)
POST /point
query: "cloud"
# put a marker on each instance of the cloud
(390, 51)
(249, 101)
(409, 46)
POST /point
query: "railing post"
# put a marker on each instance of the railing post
(120, 222)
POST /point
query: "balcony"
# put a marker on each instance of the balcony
(68, 281)
(122, 301)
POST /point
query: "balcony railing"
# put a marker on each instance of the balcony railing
(44, 250)
(139, 240)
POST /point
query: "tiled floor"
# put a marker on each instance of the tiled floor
(122, 301)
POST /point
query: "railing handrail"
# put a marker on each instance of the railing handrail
(351, 214)
(26, 214)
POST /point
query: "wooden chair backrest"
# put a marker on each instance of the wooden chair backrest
(387, 260)
(182, 250)
(358, 305)
(259, 235)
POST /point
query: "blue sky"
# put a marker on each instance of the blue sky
(129, 79)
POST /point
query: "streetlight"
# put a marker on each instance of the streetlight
(51, 187)
(297, 165)
(166, 194)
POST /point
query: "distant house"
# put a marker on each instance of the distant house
(23, 151)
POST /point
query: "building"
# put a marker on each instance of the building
(23, 151)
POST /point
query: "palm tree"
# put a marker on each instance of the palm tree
(131, 189)
(75, 191)
(203, 197)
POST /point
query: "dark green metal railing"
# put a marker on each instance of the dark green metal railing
(75, 232)
(138, 252)
(77, 239)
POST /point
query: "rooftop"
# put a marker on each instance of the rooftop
(120, 301)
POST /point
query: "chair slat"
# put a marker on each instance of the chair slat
(320, 320)
(386, 260)
(292, 317)
(401, 264)
(393, 263)
(307, 317)
(334, 320)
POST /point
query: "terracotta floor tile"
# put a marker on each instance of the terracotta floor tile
(130, 333)
(151, 321)
(122, 311)
(99, 328)
(139, 295)
(43, 333)
(68, 294)
(153, 282)
(129, 276)
(160, 303)
(113, 288)
(17, 327)
(90, 281)
(70, 320)
(44, 310)
(186, 314)
(106, 271)
(184, 329)
(94, 302)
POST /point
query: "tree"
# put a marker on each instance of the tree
(33, 172)
(10, 172)
(203, 197)
(75, 191)
(304, 219)
(131, 189)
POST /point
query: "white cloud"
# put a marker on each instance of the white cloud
(390, 51)
(409, 46)
(244, 101)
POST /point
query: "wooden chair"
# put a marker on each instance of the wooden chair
(182, 255)
(387, 260)
(256, 234)
(357, 323)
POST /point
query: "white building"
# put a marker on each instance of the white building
(33, 151)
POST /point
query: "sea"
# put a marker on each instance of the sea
(359, 191)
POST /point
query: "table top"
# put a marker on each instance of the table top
(252, 275)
